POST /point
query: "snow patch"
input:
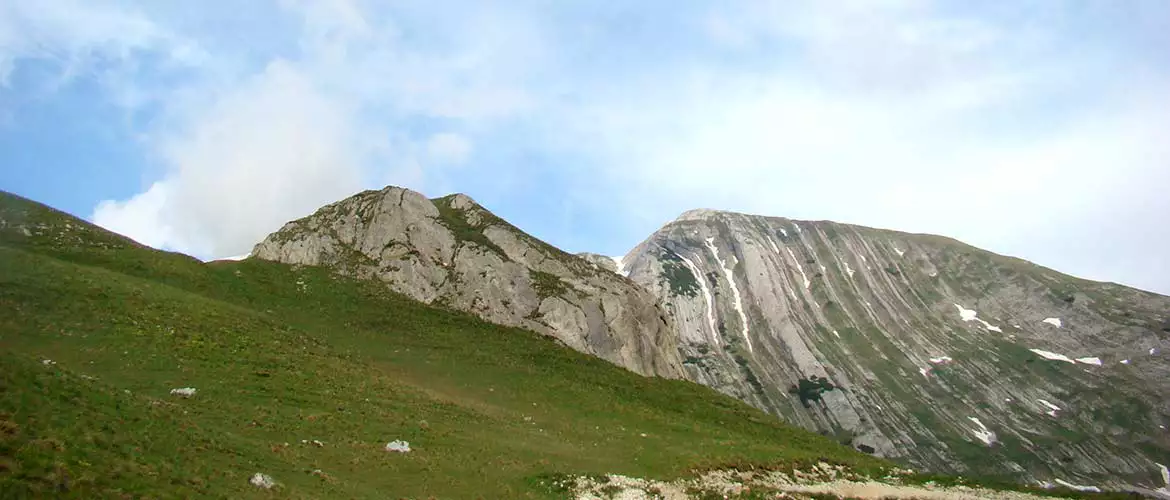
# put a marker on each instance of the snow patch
(236, 257)
(982, 433)
(941, 359)
(898, 251)
(970, 315)
(966, 314)
(1052, 321)
(803, 276)
(1152, 350)
(706, 293)
(1125, 361)
(1052, 409)
(796, 227)
(737, 300)
(185, 392)
(848, 270)
(785, 233)
(1053, 356)
(1077, 486)
(398, 446)
(823, 270)
(838, 335)
(1090, 361)
(924, 371)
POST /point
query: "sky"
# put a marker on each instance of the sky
(1033, 128)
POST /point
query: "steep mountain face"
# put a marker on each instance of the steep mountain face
(919, 347)
(451, 251)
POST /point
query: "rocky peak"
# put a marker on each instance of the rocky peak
(918, 347)
(451, 251)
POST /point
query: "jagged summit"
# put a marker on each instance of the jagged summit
(454, 252)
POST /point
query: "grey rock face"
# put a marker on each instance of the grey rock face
(451, 251)
(927, 342)
(601, 261)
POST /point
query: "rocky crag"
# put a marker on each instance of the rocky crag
(453, 252)
(920, 348)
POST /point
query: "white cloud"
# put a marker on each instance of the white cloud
(140, 217)
(80, 34)
(448, 148)
(272, 149)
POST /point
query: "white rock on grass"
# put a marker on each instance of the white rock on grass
(262, 481)
(398, 446)
(185, 392)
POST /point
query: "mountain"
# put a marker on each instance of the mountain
(919, 348)
(451, 251)
(303, 375)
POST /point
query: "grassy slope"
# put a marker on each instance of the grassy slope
(280, 354)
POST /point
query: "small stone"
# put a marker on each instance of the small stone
(262, 481)
(398, 446)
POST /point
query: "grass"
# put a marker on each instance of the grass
(456, 220)
(281, 354)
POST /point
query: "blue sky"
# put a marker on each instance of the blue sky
(1033, 128)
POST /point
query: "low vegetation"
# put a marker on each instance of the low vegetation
(305, 376)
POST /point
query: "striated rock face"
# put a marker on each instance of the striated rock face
(919, 348)
(453, 252)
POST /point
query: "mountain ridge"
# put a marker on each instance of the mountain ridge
(796, 280)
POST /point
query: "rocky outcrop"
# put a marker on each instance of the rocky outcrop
(601, 261)
(451, 251)
(919, 348)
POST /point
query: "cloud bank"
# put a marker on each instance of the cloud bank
(1032, 129)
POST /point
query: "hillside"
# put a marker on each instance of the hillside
(305, 375)
(453, 252)
(920, 348)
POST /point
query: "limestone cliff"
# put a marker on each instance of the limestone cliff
(918, 347)
(453, 252)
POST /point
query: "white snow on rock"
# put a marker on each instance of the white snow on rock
(899, 251)
(970, 315)
(1053, 356)
(848, 270)
(823, 270)
(185, 392)
(838, 335)
(982, 433)
(1052, 321)
(262, 481)
(796, 227)
(736, 299)
(398, 446)
(1077, 486)
(707, 294)
(785, 233)
(1052, 409)
(966, 314)
(1090, 361)
(941, 359)
(1125, 361)
(799, 268)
